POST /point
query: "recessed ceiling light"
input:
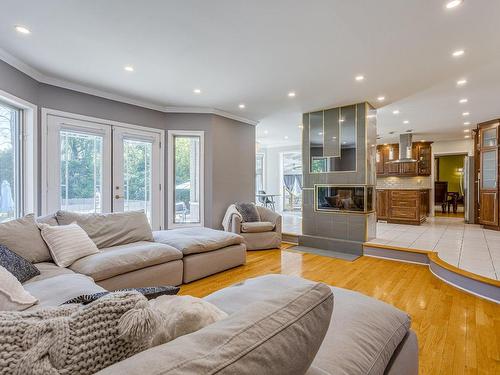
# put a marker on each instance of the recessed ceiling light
(406, 122)
(466, 130)
(385, 144)
(266, 131)
(395, 112)
(461, 82)
(197, 91)
(453, 4)
(359, 77)
(22, 29)
(129, 68)
(466, 123)
(465, 114)
(422, 140)
(242, 106)
(458, 53)
(467, 137)
(286, 137)
(381, 98)
(291, 94)
(462, 101)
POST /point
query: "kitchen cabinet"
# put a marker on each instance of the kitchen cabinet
(403, 206)
(487, 147)
(421, 152)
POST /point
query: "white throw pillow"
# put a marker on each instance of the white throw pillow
(67, 243)
(13, 297)
(182, 315)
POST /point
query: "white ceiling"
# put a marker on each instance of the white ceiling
(255, 52)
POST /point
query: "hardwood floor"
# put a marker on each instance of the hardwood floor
(458, 333)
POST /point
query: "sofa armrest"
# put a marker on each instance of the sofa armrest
(269, 215)
(236, 224)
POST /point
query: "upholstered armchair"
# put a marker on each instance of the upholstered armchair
(258, 235)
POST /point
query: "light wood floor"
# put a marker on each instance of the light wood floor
(458, 333)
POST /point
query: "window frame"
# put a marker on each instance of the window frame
(263, 156)
(27, 152)
(171, 134)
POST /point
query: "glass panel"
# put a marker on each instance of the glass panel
(137, 179)
(81, 171)
(347, 160)
(187, 179)
(332, 133)
(489, 137)
(318, 162)
(259, 173)
(340, 198)
(292, 181)
(10, 176)
(489, 169)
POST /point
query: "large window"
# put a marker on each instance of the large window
(292, 181)
(259, 172)
(185, 178)
(10, 163)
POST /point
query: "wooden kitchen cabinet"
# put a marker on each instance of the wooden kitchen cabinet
(421, 151)
(403, 206)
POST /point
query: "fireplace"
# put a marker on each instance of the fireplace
(343, 198)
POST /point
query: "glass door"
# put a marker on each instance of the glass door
(136, 173)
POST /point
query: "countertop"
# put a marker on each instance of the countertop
(417, 188)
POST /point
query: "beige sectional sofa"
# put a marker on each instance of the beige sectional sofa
(132, 256)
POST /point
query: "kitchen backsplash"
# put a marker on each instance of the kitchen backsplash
(404, 182)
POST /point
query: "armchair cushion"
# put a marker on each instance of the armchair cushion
(248, 212)
(257, 227)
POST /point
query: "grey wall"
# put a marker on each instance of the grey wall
(229, 144)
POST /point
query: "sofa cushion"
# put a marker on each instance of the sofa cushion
(363, 334)
(248, 211)
(55, 290)
(197, 240)
(22, 236)
(17, 265)
(67, 243)
(121, 259)
(48, 269)
(13, 296)
(279, 335)
(111, 229)
(257, 227)
(47, 219)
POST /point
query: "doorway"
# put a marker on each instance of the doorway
(94, 166)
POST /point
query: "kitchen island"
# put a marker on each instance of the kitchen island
(403, 206)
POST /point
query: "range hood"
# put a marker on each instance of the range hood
(405, 149)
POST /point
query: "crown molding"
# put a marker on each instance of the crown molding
(49, 80)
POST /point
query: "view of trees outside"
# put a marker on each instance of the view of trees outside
(81, 171)
(186, 179)
(137, 175)
(8, 132)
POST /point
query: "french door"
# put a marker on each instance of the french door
(100, 167)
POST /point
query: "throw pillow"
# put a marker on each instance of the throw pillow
(13, 297)
(22, 236)
(17, 265)
(111, 229)
(182, 315)
(76, 339)
(148, 292)
(248, 211)
(67, 243)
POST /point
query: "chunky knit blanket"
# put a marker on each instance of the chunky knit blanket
(75, 339)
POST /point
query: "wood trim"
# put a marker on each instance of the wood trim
(396, 248)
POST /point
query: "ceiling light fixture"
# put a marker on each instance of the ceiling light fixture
(128, 68)
(406, 122)
(22, 29)
(422, 140)
(466, 123)
(286, 137)
(465, 114)
(242, 106)
(359, 78)
(467, 137)
(453, 4)
(462, 101)
(461, 82)
(197, 91)
(466, 130)
(381, 98)
(395, 112)
(291, 94)
(458, 53)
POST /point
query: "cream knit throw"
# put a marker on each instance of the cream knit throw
(75, 339)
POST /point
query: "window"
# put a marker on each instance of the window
(259, 172)
(10, 162)
(185, 178)
(292, 181)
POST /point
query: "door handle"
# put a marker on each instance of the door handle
(119, 196)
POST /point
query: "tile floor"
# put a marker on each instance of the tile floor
(465, 246)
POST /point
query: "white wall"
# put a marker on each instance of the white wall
(272, 181)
